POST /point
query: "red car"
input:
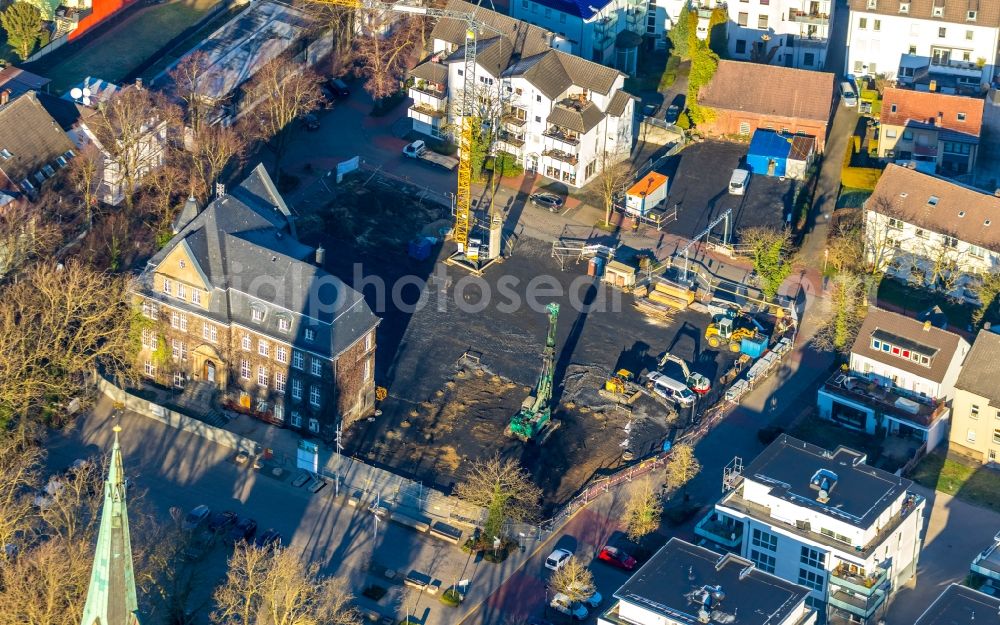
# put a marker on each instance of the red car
(617, 557)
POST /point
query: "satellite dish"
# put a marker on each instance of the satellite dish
(86, 92)
(86, 101)
(76, 93)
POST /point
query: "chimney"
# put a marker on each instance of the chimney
(220, 189)
(927, 326)
(4, 96)
(138, 83)
(320, 256)
(940, 118)
(932, 86)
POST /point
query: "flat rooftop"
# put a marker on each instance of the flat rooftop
(669, 583)
(858, 493)
(959, 605)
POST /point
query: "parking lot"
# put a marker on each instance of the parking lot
(699, 183)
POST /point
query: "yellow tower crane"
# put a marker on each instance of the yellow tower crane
(466, 255)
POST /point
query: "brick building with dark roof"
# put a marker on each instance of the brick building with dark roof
(747, 96)
(33, 146)
(244, 308)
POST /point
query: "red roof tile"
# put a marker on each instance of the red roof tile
(902, 105)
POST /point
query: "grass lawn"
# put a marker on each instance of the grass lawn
(852, 198)
(115, 53)
(972, 483)
(188, 43)
(916, 300)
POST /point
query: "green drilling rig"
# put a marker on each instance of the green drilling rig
(536, 411)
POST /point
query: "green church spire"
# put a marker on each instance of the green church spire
(111, 596)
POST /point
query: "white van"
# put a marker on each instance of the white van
(670, 389)
(738, 181)
(848, 95)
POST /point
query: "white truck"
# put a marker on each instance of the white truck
(418, 149)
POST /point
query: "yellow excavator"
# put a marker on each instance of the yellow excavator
(724, 330)
(621, 387)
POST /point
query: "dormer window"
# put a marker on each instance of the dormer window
(904, 7)
(911, 354)
(284, 324)
(938, 12)
(5, 154)
(971, 16)
(932, 200)
(873, 4)
(961, 117)
(257, 314)
(310, 334)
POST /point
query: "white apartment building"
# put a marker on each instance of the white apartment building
(683, 584)
(975, 428)
(933, 231)
(146, 154)
(937, 45)
(900, 380)
(604, 31)
(562, 115)
(792, 33)
(828, 521)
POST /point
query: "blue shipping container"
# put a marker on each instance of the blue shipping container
(753, 348)
(768, 154)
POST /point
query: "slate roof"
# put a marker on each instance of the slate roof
(580, 119)
(981, 371)
(526, 39)
(770, 90)
(960, 605)
(962, 212)
(665, 583)
(67, 113)
(32, 137)
(244, 245)
(900, 106)
(909, 333)
(987, 12)
(431, 71)
(859, 496)
(618, 101)
(492, 54)
(21, 81)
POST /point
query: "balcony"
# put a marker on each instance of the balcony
(859, 584)
(804, 41)
(801, 17)
(427, 110)
(921, 412)
(435, 91)
(720, 529)
(559, 155)
(859, 605)
(514, 120)
(511, 139)
(563, 136)
(945, 63)
(987, 563)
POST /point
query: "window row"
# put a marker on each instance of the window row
(901, 352)
(181, 291)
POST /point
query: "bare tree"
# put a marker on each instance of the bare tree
(682, 467)
(215, 148)
(280, 93)
(56, 326)
(883, 80)
(881, 234)
(611, 180)
(19, 463)
(505, 489)
(273, 586)
(85, 177)
(188, 77)
(574, 580)
(25, 233)
(131, 130)
(46, 584)
(642, 511)
(381, 59)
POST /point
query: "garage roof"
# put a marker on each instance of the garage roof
(770, 90)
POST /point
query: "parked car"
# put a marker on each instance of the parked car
(222, 521)
(549, 201)
(562, 603)
(268, 538)
(848, 94)
(617, 557)
(594, 600)
(738, 181)
(675, 109)
(246, 529)
(301, 479)
(311, 121)
(557, 559)
(338, 87)
(196, 518)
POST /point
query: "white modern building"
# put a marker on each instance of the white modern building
(604, 31)
(562, 116)
(932, 231)
(826, 520)
(683, 584)
(936, 45)
(900, 380)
